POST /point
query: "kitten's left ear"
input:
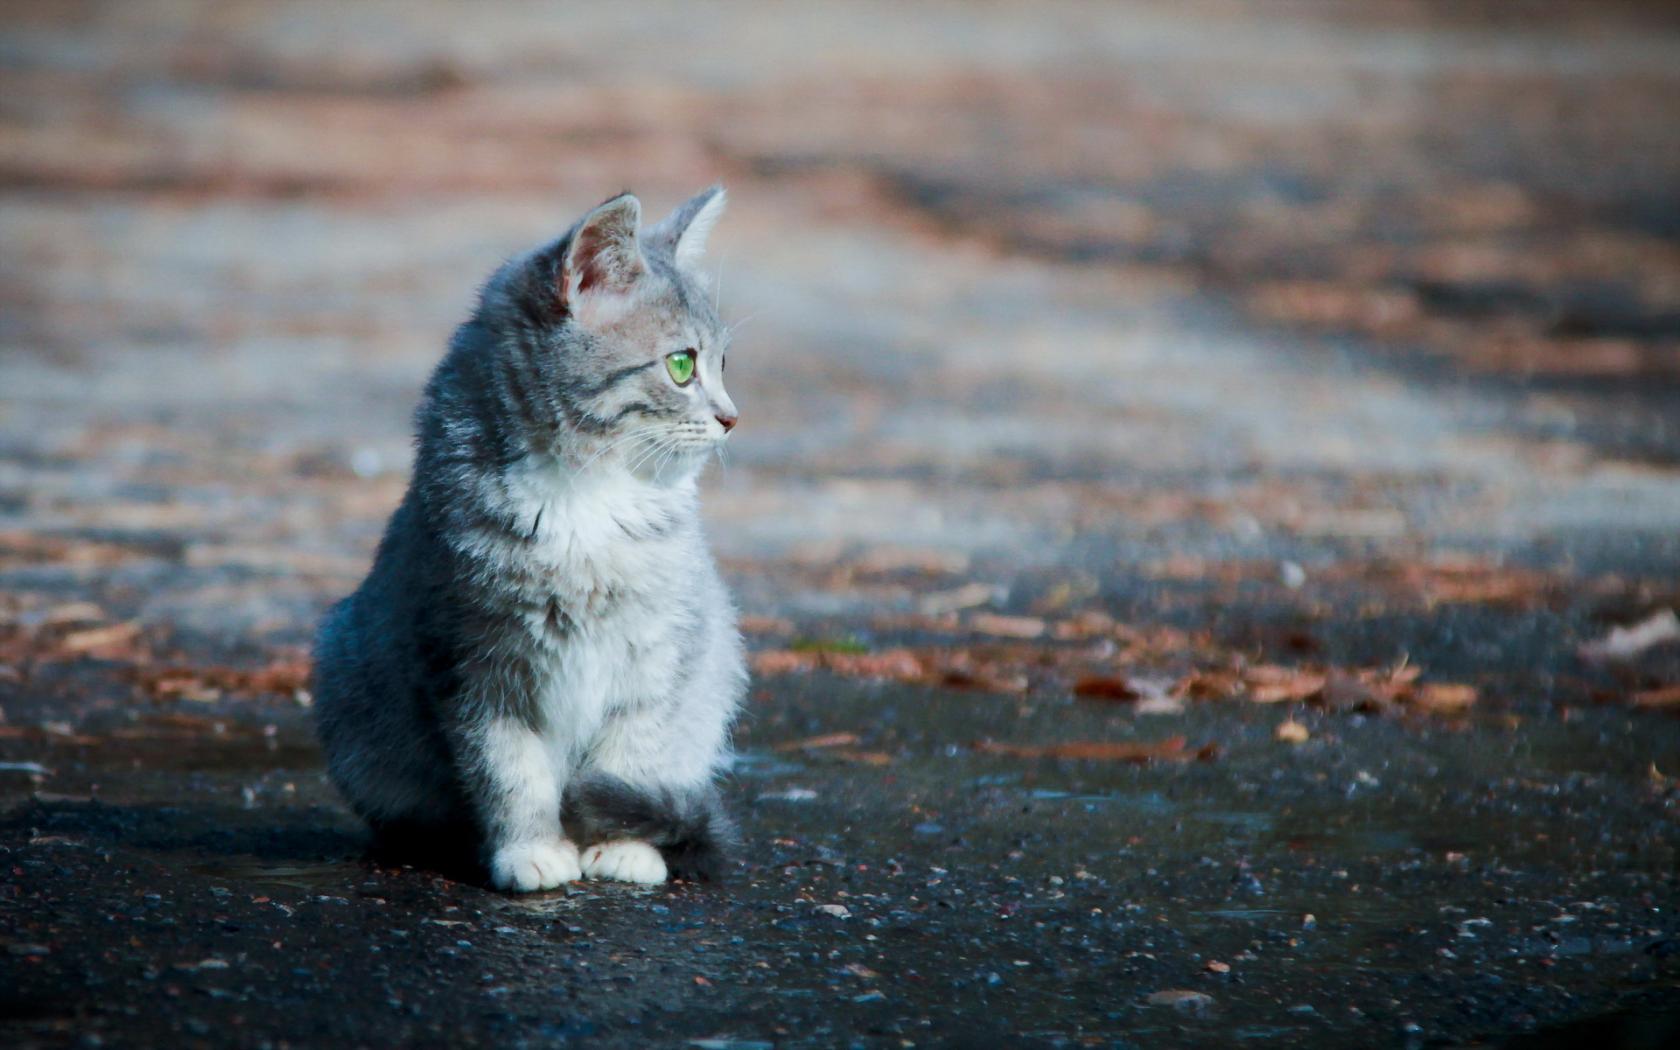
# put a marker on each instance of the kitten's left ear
(604, 254)
(683, 233)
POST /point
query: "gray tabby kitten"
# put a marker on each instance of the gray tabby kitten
(543, 660)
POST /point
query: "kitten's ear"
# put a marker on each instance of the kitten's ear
(683, 233)
(604, 255)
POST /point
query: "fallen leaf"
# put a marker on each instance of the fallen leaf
(1158, 705)
(1625, 643)
(1443, 697)
(963, 678)
(930, 561)
(813, 742)
(1208, 685)
(1088, 624)
(1171, 749)
(783, 661)
(1025, 627)
(1291, 732)
(1667, 696)
(965, 597)
(285, 676)
(1105, 687)
(99, 637)
(865, 758)
(72, 612)
(766, 625)
(900, 664)
(1270, 684)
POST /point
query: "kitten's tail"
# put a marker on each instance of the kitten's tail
(690, 828)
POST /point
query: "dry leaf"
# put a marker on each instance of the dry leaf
(783, 661)
(99, 637)
(1291, 732)
(1208, 685)
(1625, 643)
(1158, 704)
(1025, 627)
(865, 758)
(72, 612)
(765, 625)
(930, 561)
(1105, 687)
(1443, 697)
(890, 663)
(813, 742)
(965, 597)
(1084, 625)
(287, 676)
(1269, 684)
(1667, 696)
(900, 664)
(1171, 749)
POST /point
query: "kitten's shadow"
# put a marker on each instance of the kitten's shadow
(278, 844)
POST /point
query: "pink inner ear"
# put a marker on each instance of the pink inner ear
(601, 259)
(592, 256)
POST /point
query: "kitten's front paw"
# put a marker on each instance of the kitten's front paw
(526, 867)
(625, 860)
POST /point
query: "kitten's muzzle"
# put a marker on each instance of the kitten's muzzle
(727, 420)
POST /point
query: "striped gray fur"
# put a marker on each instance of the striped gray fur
(544, 631)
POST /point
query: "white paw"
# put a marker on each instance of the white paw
(526, 867)
(625, 860)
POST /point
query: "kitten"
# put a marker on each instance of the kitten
(543, 660)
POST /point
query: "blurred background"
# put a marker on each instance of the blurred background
(1203, 465)
(1123, 308)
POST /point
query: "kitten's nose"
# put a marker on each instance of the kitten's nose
(728, 420)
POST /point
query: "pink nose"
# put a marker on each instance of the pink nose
(727, 421)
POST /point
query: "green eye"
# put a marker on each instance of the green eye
(681, 366)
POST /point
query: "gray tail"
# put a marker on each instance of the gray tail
(690, 828)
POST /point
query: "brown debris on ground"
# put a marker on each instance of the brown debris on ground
(1172, 749)
(1109, 672)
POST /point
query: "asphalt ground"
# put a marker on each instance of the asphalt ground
(1199, 469)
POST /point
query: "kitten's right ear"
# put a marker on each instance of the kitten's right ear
(683, 233)
(604, 254)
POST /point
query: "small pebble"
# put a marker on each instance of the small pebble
(1291, 732)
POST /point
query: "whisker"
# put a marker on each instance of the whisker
(630, 440)
(650, 453)
(619, 442)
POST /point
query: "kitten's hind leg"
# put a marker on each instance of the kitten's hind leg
(688, 827)
(625, 860)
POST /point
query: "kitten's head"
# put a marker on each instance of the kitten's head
(636, 350)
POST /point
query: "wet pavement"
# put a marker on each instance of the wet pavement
(1189, 458)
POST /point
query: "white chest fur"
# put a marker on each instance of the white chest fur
(617, 556)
